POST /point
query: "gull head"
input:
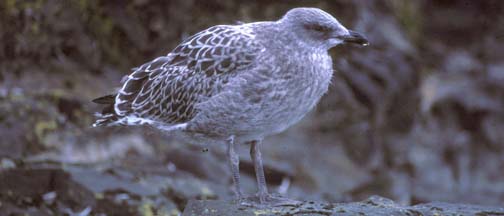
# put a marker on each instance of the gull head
(318, 28)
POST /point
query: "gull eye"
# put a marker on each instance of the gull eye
(318, 27)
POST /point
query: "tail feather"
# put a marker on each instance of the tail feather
(108, 115)
(105, 120)
(107, 99)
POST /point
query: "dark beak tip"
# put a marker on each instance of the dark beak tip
(357, 38)
(362, 42)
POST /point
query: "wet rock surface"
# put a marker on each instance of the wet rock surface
(374, 205)
(416, 117)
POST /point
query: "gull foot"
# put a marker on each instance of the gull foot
(268, 200)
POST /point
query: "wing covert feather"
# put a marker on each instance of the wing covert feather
(168, 88)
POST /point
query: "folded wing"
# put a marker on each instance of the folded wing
(168, 88)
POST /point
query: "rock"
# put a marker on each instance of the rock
(22, 189)
(416, 117)
(47, 189)
(374, 205)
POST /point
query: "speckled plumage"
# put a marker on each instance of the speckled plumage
(167, 89)
(234, 82)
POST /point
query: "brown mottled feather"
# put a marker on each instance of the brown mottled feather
(168, 88)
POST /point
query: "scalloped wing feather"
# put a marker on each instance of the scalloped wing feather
(168, 88)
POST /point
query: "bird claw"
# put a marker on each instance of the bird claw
(266, 200)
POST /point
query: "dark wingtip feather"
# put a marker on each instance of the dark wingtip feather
(107, 99)
(108, 115)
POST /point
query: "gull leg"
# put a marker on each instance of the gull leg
(255, 154)
(234, 164)
(265, 199)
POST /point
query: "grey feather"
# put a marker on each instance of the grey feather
(236, 83)
(248, 80)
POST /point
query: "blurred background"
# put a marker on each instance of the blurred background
(417, 116)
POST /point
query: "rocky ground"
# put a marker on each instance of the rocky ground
(374, 205)
(416, 117)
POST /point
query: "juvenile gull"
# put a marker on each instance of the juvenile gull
(234, 84)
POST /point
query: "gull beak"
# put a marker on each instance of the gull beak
(355, 37)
